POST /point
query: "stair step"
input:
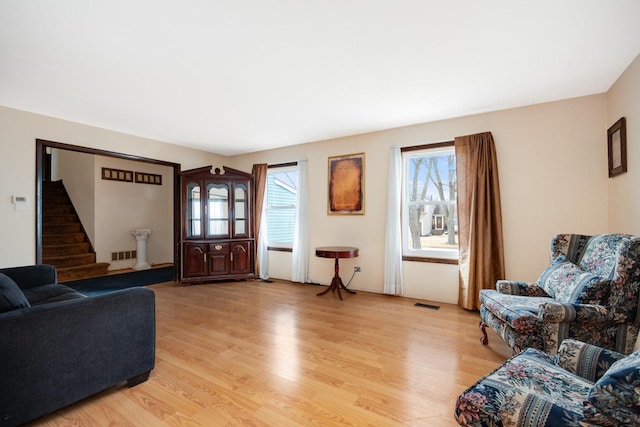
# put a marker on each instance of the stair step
(52, 184)
(82, 272)
(49, 194)
(66, 218)
(56, 210)
(61, 239)
(53, 190)
(55, 201)
(70, 260)
(65, 244)
(65, 249)
(61, 228)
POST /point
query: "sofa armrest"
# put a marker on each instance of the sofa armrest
(31, 276)
(586, 360)
(512, 287)
(56, 354)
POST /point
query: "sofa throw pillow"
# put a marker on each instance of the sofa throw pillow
(11, 296)
(613, 400)
(567, 283)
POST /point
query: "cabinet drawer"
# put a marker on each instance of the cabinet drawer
(222, 248)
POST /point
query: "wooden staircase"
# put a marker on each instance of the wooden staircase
(65, 244)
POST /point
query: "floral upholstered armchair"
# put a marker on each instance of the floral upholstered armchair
(589, 292)
(580, 386)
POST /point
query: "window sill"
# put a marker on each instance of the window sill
(431, 260)
(279, 249)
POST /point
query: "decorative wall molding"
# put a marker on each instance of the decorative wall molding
(111, 174)
(117, 175)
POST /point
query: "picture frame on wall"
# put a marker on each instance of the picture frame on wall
(617, 148)
(346, 185)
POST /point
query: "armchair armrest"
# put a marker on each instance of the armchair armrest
(56, 354)
(512, 287)
(553, 311)
(31, 276)
(586, 360)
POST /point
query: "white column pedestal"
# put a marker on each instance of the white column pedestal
(141, 236)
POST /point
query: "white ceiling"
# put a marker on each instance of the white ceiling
(238, 76)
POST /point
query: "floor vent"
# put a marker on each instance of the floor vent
(433, 307)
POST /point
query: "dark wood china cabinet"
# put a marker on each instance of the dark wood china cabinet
(217, 230)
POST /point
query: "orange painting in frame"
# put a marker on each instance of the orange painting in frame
(346, 185)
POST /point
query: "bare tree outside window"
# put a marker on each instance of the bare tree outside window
(431, 199)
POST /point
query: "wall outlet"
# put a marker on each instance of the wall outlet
(356, 269)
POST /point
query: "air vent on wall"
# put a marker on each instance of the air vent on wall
(122, 255)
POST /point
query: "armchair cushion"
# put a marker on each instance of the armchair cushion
(519, 312)
(615, 398)
(567, 283)
(11, 297)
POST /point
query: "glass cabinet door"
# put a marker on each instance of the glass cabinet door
(193, 211)
(218, 209)
(240, 210)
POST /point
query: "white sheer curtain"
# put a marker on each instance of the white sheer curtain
(263, 238)
(300, 255)
(393, 232)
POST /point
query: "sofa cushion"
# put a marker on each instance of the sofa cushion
(567, 283)
(51, 293)
(615, 397)
(11, 296)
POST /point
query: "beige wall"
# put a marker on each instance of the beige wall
(124, 206)
(553, 177)
(551, 161)
(623, 100)
(18, 133)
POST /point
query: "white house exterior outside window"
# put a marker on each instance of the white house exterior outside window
(281, 206)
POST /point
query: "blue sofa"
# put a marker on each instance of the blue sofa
(580, 386)
(58, 346)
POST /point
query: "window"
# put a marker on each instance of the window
(281, 196)
(429, 211)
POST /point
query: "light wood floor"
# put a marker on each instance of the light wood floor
(274, 354)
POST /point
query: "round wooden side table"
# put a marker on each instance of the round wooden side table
(336, 252)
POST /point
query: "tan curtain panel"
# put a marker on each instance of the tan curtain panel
(259, 173)
(481, 261)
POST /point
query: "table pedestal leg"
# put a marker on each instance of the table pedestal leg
(336, 283)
